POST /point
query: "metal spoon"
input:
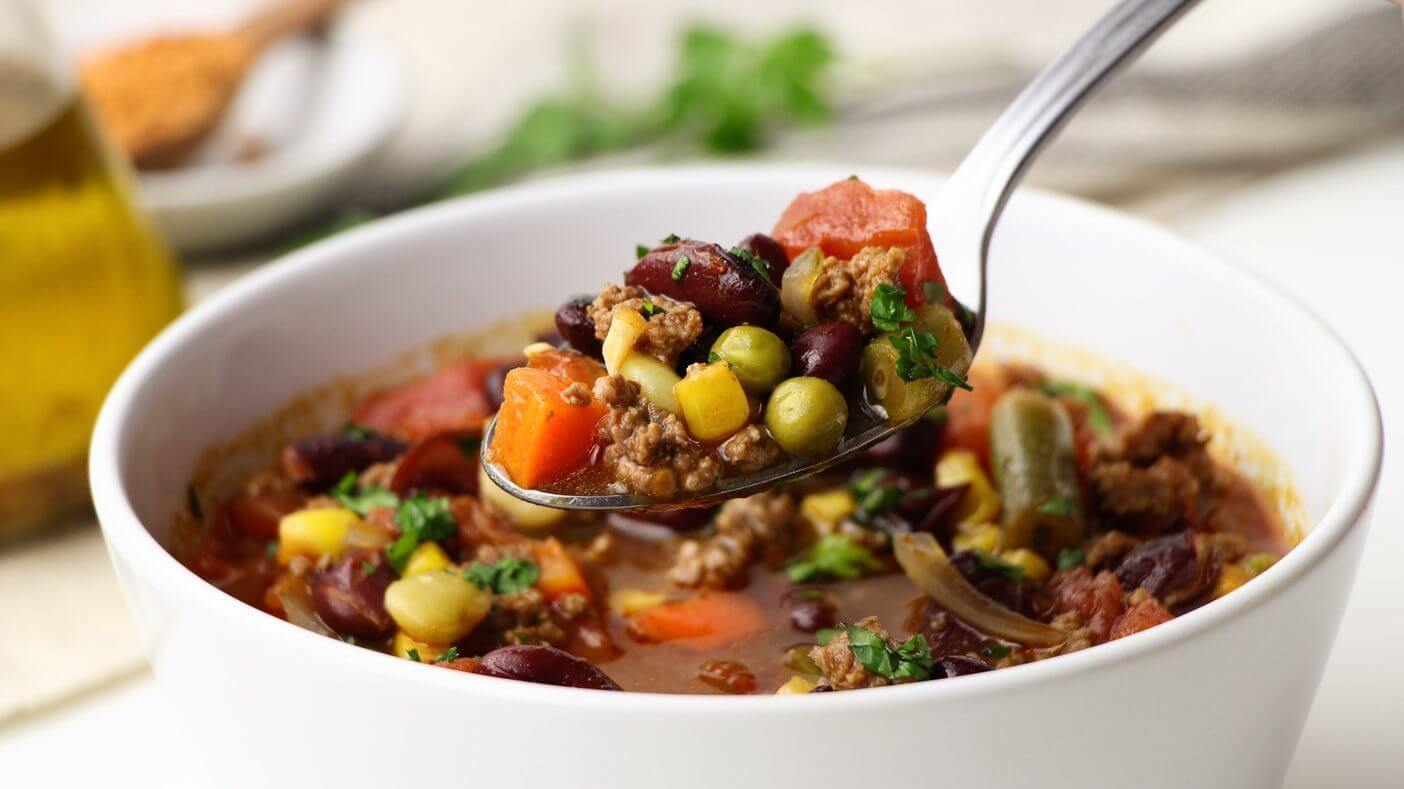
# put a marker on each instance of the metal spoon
(964, 215)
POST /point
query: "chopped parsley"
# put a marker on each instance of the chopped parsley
(192, 501)
(713, 357)
(757, 263)
(877, 501)
(639, 251)
(680, 267)
(368, 567)
(420, 519)
(359, 500)
(996, 650)
(833, 556)
(996, 565)
(509, 575)
(1069, 557)
(934, 291)
(1098, 418)
(357, 432)
(413, 654)
(270, 548)
(889, 308)
(449, 655)
(1060, 507)
(916, 358)
(865, 482)
(671, 238)
(649, 308)
(910, 660)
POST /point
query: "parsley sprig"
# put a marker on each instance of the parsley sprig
(832, 556)
(916, 349)
(910, 660)
(361, 500)
(508, 575)
(757, 263)
(889, 308)
(994, 564)
(421, 519)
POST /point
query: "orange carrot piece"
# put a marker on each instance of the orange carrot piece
(560, 575)
(572, 365)
(708, 620)
(541, 438)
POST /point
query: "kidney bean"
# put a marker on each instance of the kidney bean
(769, 250)
(546, 665)
(959, 666)
(991, 583)
(319, 461)
(725, 290)
(495, 381)
(810, 610)
(1160, 566)
(828, 350)
(911, 448)
(446, 462)
(350, 595)
(727, 676)
(576, 326)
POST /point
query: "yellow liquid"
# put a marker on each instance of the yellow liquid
(84, 283)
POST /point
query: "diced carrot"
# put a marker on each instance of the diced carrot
(572, 365)
(560, 575)
(968, 416)
(540, 437)
(453, 399)
(846, 216)
(708, 620)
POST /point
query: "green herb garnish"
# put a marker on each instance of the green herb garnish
(996, 650)
(889, 308)
(671, 238)
(865, 482)
(649, 308)
(757, 263)
(449, 655)
(680, 268)
(999, 566)
(911, 660)
(421, 519)
(639, 251)
(713, 357)
(833, 556)
(1098, 417)
(1069, 557)
(1060, 507)
(270, 548)
(509, 575)
(916, 358)
(359, 500)
(413, 654)
(357, 432)
(879, 500)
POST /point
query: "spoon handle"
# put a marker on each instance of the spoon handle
(964, 215)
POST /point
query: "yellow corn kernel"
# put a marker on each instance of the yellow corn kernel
(401, 646)
(631, 601)
(524, 515)
(427, 557)
(1255, 564)
(712, 401)
(1033, 565)
(985, 537)
(625, 329)
(980, 503)
(795, 686)
(314, 532)
(1231, 576)
(826, 510)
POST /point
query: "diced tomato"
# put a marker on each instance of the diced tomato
(1097, 598)
(257, 514)
(708, 620)
(453, 399)
(560, 574)
(1141, 616)
(968, 416)
(846, 216)
(540, 437)
(447, 462)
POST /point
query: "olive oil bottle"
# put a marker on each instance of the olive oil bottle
(84, 280)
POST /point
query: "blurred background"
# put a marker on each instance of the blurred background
(232, 131)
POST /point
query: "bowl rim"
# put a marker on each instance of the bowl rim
(126, 536)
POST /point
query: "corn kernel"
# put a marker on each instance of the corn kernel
(1231, 576)
(1033, 565)
(826, 510)
(986, 537)
(795, 686)
(427, 557)
(980, 503)
(712, 401)
(631, 601)
(1255, 564)
(314, 532)
(428, 653)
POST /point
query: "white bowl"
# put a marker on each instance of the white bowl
(1214, 698)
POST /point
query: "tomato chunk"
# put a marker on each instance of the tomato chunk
(968, 416)
(454, 399)
(541, 438)
(846, 216)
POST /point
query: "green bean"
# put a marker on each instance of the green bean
(1035, 468)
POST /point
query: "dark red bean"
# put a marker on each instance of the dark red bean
(727, 676)
(822, 689)
(320, 461)
(725, 290)
(496, 380)
(576, 326)
(959, 666)
(998, 586)
(257, 515)
(829, 351)
(810, 610)
(1160, 566)
(912, 448)
(677, 520)
(546, 665)
(350, 595)
(444, 462)
(769, 250)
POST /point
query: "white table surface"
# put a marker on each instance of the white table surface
(1330, 235)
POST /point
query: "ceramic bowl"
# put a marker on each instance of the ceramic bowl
(1214, 698)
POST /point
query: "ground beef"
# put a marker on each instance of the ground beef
(576, 394)
(751, 449)
(1107, 550)
(671, 330)
(840, 670)
(744, 530)
(844, 288)
(647, 449)
(524, 618)
(1160, 480)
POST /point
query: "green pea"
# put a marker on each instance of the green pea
(758, 357)
(806, 416)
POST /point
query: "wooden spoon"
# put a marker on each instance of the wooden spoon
(160, 97)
